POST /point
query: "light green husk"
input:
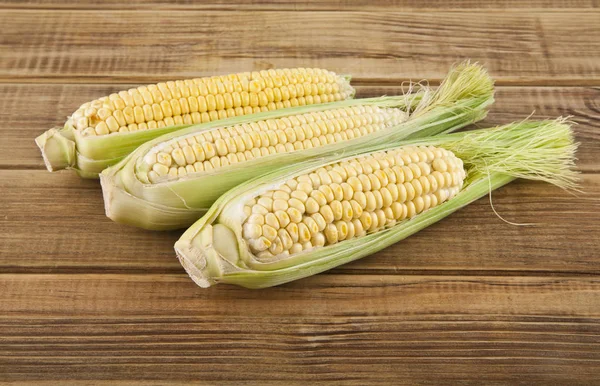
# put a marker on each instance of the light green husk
(213, 251)
(65, 148)
(462, 99)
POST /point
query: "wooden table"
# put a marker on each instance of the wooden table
(469, 299)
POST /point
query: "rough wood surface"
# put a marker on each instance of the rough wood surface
(519, 47)
(385, 329)
(470, 300)
(320, 5)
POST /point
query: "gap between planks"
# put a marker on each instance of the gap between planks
(356, 82)
(326, 6)
(58, 296)
(499, 273)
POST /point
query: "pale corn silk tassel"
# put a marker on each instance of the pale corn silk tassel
(498, 214)
(523, 159)
(541, 151)
(492, 203)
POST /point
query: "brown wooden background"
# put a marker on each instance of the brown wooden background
(470, 299)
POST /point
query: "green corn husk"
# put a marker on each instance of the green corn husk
(213, 251)
(462, 99)
(66, 147)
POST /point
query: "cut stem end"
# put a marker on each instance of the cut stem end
(58, 151)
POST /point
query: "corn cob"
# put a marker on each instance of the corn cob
(349, 199)
(171, 181)
(101, 132)
(307, 218)
(224, 146)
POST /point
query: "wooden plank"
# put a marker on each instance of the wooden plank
(519, 47)
(53, 103)
(56, 224)
(376, 330)
(68, 215)
(175, 296)
(281, 5)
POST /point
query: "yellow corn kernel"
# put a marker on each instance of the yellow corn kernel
(352, 198)
(262, 138)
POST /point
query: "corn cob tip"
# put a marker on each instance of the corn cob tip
(108, 194)
(193, 263)
(118, 203)
(213, 252)
(57, 150)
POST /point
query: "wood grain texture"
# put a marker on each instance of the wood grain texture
(135, 46)
(320, 5)
(54, 224)
(86, 301)
(388, 329)
(55, 102)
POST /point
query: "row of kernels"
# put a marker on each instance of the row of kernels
(138, 120)
(154, 102)
(269, 142)
(213, 162)
(144, 95)
(289, 72)
(293, 122)
(324, 228)
(447, 164)
(370, 219)
(282, 77)
(194, 111)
